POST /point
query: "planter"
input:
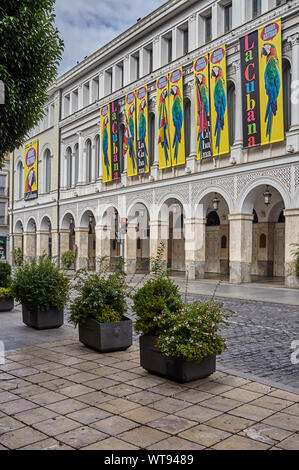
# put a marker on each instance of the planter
(106, 337)
(6, 305)
(43, 320)
(173, 368)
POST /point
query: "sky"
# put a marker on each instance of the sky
(87, 25)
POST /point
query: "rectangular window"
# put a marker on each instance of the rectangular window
(228, 10)
(208, 28)
(169, 50)
(67, 100)
(95, 89)
(75, 101)
(2, 213)
(2, 185)
(135, 67)
(186, 41)
(108, 82)
(85, 94)
(256, 8)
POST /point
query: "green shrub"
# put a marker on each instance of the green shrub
(67, 259)
(191, 332)
(18, 256)
(6, 293)
(297, 266)
(40, 285)
(100, 297)
(5, 272)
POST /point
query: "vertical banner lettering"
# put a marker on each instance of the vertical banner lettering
(114, 140)
(142, 130)
(176, 113)
(202, 107)
(31, 171)
(163, 123)
(219, 117)
(106, 144)
(130, 135)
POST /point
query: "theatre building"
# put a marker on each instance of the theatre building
(183, 129)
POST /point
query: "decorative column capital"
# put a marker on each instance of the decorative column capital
(156, 39)
(294, 39)
(237, 65)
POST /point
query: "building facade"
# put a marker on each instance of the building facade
(4, 219)
(234, 216)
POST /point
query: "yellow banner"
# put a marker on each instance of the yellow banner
(163, 123)
(106, 143)
(202, 107)
(176, 113)
(31, 171)
(219, 118)
(130, 139)
(271, 93)
(142, 130)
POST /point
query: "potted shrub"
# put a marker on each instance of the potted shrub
(68, 259)
(6, 299)
(43, 291)
(178, 340)
(100, 309)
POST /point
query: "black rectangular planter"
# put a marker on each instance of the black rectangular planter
(43, 320)
(6, 305)
(174, 368)
(106, 337)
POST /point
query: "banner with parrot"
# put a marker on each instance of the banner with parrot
(142, 130)
(129, 144)
(164, 149)
(106, 143)
(202, 107)
(31, 171)
(219, 116)
(176, 113)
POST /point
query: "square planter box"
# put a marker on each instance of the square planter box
(174, 368)
(43, 320)
(106, 337)
(6, 305)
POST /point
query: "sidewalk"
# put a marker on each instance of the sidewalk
(62, 395)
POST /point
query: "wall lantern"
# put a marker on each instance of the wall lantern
(215, 203)
(267, 196)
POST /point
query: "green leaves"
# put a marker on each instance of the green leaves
(5, 272)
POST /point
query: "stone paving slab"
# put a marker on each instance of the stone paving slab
(111, 403)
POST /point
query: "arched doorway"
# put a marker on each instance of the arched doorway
(45, 237)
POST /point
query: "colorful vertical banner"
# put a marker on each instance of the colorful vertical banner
(176, 113)
(142, 130)
(262, 93)
(129, 147)
(163, 123)
(106, 143)
(114, 116)
(202, 107)
(219, 117)
(31, 171)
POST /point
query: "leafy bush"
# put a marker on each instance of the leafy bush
(40, 285)
(5, 272)
(100, 297)
(18, 256)
(296, 255)
(6, 293)
(192, 331)
(67, 259)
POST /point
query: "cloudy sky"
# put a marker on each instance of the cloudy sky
(86, 25)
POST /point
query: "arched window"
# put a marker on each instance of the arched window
(187, 124)
(88, 161)
(286, 78)
(223, 242)
(213, 219)
(121, 146)
(20, 181)
(69, 167)
(231, 108)
(151, 137)
(47, 164)
(76, 150)
(263, 241)
(97, 155)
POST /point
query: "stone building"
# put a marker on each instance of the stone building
(4, 219)
(213, 214)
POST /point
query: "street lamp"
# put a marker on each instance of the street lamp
(215, 203)
(267, 196)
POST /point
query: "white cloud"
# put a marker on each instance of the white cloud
(87, 25)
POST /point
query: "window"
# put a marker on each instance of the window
(86, 94)
(186, 41)
(95, 89)
(151, 137)
(135, 67)
(47, 163)
(97, 155)
(150, 60)
(88, 162)
(231, 108)
(69, 167)
(169, 49)
(108, 82)
(187, 124)
(75, 101)
(2, 185)
(286, 79)
(20, 181)
(208, 28)
(66, 109)
(2, 213)
(228, 17)
(223, 242)
(263, 241)
(256, 8)
(76, 163)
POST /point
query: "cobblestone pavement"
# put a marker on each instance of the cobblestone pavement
(62, 395)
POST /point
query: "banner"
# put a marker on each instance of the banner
(142, 130)
(176, 114)
(106, 143)
(114, 119)
(202, 107)
(262, 94)
(219, 117)
(30, 171)
(129, 146)
(163, 123)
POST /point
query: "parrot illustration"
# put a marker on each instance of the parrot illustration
(220, 100)
(203, 108)
(30, 181)
(163, 124)
(105, 144)
(272, 84)
(131, 135)
(177, 118)
(142, 129)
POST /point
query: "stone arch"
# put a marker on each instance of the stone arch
(44, 223)
(31, 225)
(19, 226)
(201, 204)
(66, 217)
(84, 218)
(105, 213)
(252, 190)
(161, 211)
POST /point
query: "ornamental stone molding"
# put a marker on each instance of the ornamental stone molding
(293, 40)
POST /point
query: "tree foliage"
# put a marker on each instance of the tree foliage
(30, 52)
